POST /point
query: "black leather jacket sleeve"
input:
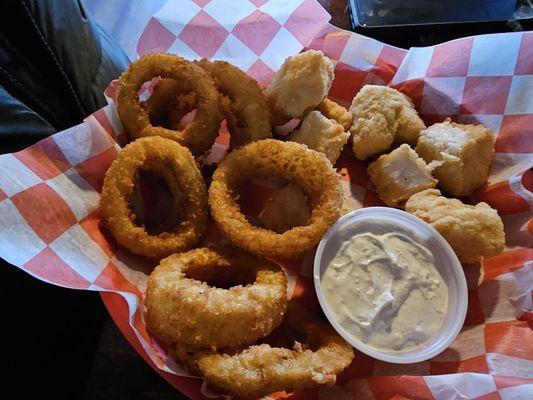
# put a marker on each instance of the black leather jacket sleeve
(55, 63)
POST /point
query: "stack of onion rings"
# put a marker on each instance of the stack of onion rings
(243, 102)
(183, 310)
(292, 161)
(218, 310)
(201, 133)
(176, 165)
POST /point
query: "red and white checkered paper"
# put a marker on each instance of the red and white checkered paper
(49, 192)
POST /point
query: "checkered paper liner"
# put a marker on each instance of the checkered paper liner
(49, 192)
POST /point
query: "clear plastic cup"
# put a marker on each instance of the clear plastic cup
(446, 263)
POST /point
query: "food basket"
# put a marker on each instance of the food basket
(49, 192)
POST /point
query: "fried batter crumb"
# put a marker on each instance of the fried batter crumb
(337, 112)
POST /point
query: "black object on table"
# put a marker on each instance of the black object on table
(415, 23)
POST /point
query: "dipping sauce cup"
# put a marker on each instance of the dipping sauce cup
(446, 263)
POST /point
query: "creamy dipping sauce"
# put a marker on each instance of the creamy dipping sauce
(383, 288)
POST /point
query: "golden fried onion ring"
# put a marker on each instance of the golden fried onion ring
(263, 369)
(244, 104)
(294, 162)
(168, 105)
(176, 165)
(247, 103)
(182, 309)
(201, 133)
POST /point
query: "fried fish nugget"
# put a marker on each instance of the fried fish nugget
(400, 174)
(321, 134)
(286, 208)
(472, 231)
(383, 116)
(301, 83)
(465, 152)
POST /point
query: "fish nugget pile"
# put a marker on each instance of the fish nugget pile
(222, 309)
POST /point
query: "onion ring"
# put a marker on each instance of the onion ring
(309, 169)
(182, 308)
(243, 102)
(167, 105)
(201, 133)
(176, 165)
(263, 369)
(247, 103)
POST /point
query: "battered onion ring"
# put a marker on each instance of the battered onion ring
(201, 133)
(263, 369)
(248, 104)
(292, 161)
(167, 105)
(175, 164)
(181, 308)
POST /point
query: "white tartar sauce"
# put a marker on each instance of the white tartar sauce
(383, 288)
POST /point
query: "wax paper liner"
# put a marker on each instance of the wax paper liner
(49, 192)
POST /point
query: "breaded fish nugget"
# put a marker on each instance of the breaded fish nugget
(465, 152)
(400, 174)
(286, 208)
(383, 116)
(301, 83)
(472, 231)
(321, 134)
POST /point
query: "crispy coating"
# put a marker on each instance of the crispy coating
(321, 134)
(400, 174)
(176, 165)
(201, 133)
(301, 83)
(465, 152)
(182, 306)
(262, 369)
(472, 231)
(293, 162)
(168, 104)
(383, 116)
(247, 103)
(286, 208)
(337, 112)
